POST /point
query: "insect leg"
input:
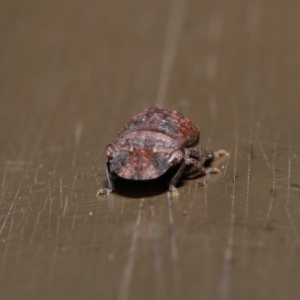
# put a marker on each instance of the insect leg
(175, 179)
(110, 187)
(200, 167)
(199, 153)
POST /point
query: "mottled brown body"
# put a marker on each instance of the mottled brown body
(170, 124)
(152, 142)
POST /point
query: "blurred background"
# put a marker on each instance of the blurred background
(72, 73)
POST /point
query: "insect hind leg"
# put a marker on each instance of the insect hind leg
(175, 179)
(110, 184)
(204, 154)
(202, 170)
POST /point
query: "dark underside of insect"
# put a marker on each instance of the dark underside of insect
(151, 143)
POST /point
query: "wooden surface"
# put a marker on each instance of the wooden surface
(72, 73)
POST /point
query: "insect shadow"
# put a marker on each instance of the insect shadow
(154, 187)
(145, 188)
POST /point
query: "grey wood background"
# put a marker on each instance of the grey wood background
(72, 73)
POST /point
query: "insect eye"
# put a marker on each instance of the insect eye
(109, 152)
(176, 157)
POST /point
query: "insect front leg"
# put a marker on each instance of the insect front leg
(110, 184)
(175, 179)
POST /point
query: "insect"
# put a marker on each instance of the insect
(151, 143)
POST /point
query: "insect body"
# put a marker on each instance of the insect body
(151, 143)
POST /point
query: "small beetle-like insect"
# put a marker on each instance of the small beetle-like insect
(151, 143)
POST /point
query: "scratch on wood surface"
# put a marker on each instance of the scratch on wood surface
(292, 224)
(11, 207)
(6, 249)
(127, 273)
(157, 256)
(77, 139)
(52, 262)
(290, 218)
(289, 176)
(174, 27)
(261, 241)
(224, 286)
(176, 274)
